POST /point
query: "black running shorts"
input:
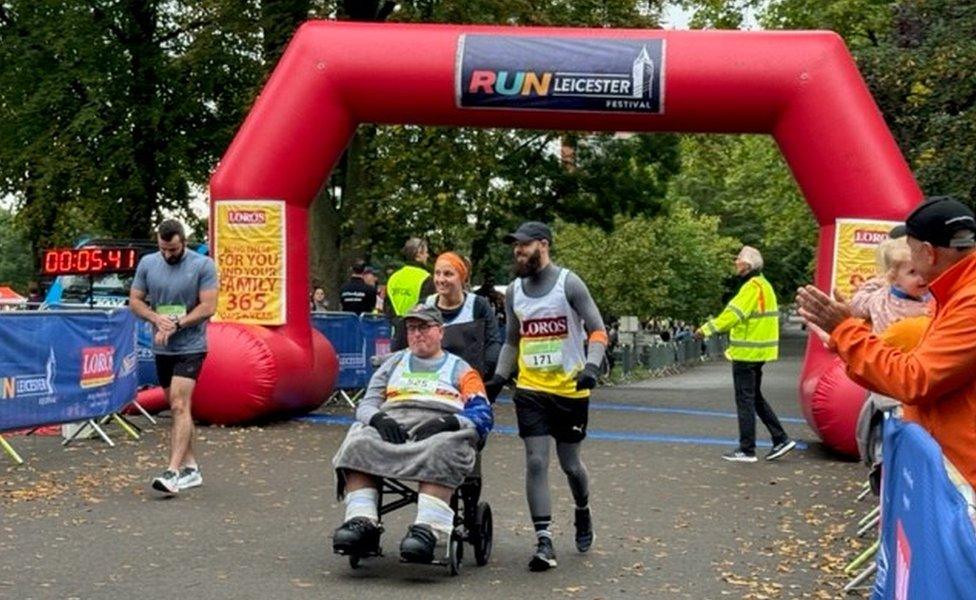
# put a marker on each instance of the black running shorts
(540, 414)
(178, 365)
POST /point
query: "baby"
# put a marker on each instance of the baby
(897, 293)
(897, 304)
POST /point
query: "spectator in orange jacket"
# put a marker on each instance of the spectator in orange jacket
(938, 377)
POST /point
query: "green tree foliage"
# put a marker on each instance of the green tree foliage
(108, 110)
(673, 265)
(918, 58)
(744, 181)
(921, 74)
(16, 266)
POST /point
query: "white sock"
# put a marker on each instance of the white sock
(436, 513)
(362, 503)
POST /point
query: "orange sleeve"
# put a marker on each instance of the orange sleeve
(944, 360)
(599, 337)
(471, 384)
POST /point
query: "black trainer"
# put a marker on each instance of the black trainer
(418, 545)
(584, 529)
(544, 557)
(780, 449)
(358, 536)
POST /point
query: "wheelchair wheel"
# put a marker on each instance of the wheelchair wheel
(455, 553)
(482, 534)
(353, 561)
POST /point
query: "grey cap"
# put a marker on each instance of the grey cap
(528, 231)
(422, 312)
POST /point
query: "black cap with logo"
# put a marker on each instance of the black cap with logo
(528, 231)
(937, 220)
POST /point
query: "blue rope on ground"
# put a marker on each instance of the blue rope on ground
(612, 436)
(675, 411)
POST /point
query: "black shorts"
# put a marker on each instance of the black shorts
(178, 365)
(540, 413)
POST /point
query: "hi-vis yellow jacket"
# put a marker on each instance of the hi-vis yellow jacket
(752, 320)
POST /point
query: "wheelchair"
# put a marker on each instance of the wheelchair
(472, 520)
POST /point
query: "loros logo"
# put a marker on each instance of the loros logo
(547, 327)
(247, 217)
(97, 366)
(868, 237)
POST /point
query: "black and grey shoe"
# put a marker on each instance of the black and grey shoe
(167, 483)
(418, 545)
(584, 529)
(544, 557)
(358, 536)
(780, 449)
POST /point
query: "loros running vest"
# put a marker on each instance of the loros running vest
(550, 341)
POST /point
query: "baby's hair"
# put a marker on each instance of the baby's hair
(890, 254)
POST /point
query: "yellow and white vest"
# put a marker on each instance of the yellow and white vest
(551, 340)
(437, 389)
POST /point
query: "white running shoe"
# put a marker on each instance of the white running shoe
(167, 483)
(190, 477)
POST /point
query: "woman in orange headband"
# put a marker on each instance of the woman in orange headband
(470, 326)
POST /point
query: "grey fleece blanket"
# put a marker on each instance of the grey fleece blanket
(445, 459)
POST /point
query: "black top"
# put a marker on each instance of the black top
(357, 296)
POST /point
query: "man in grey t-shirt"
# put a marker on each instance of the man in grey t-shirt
(175, 289)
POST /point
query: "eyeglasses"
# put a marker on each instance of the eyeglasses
(420, 327)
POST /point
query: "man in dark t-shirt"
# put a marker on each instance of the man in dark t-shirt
(356, 295)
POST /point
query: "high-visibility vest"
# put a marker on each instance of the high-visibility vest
(403, 288)
(752, 320)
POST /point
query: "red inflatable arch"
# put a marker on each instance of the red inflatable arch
(800, 87)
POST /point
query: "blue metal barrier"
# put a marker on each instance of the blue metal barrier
(63, 366)
(377, 334)
(344, 332)
(146, 375)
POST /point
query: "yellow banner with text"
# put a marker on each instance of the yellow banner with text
(855, 244)
(250, 249)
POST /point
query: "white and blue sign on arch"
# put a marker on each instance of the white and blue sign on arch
(560, 73)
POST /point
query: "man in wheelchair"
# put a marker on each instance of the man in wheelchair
(423, 416)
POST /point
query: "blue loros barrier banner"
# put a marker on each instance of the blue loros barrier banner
(560, 73)
(61, 367)
(928, 544)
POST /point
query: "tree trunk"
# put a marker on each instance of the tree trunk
(324, 222)
(145, 58)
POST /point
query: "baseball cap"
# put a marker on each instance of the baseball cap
(528, 231)
(361, 268)
(937, 220)
(422, 312)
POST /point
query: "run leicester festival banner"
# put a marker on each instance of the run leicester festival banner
(62, 367)
(928, 543)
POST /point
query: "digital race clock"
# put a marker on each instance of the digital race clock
(89, 261)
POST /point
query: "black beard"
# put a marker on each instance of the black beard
(175, 260)
(530, 267)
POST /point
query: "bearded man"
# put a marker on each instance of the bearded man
(555, 334)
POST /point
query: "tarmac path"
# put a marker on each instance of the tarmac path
(672, 519)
